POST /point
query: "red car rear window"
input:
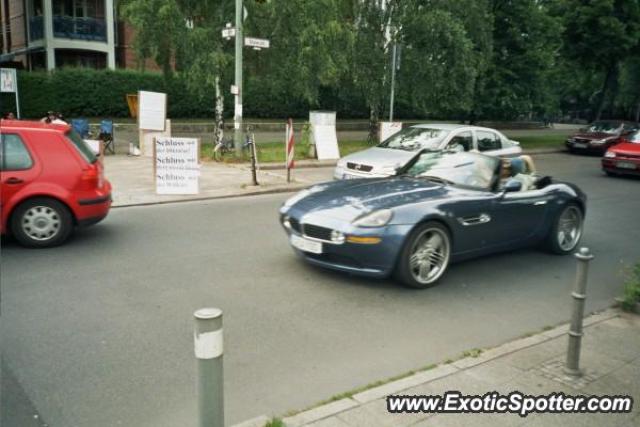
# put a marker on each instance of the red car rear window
(82, 147)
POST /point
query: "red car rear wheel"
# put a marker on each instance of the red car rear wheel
(41, 222)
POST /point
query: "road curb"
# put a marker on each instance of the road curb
(226, 196)
(441, 371)
(300, 165)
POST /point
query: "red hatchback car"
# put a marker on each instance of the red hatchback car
(50, 182)
(623, 158)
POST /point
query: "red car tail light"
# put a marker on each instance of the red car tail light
(91, 177)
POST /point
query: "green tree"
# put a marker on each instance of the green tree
(599, 35)
(526, 40)
(439, 67)
(160, 27)
(308, 48)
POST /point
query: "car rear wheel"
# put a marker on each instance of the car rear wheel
(41, 223)
(425, 256)
(566, 231)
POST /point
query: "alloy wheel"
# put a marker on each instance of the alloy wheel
(569, 228)
(429, 255)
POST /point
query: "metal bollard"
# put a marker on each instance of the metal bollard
(579, 296)
(208, 347)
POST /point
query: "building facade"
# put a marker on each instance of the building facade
(48, 34)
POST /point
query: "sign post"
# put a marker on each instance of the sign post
(289, 148)
(9, 84)
(238, 32)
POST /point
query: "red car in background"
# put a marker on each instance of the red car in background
(623, 158)
(50, 182)
(599, 136)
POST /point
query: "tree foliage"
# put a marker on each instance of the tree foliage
(473, 59)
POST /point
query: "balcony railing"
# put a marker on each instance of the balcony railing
(68, 27)
(36, 28)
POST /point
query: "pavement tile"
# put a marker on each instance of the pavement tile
(623, 381)
(375, 414)
(531, 382)
(534, 356)
(614, 341)
(494, 372)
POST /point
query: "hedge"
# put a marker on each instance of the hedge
(102, 93)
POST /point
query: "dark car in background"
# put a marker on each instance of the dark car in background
(443, 207)
(600, 135)
(623, 158)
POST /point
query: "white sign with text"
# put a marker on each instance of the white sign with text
(323, 133)
(152, 110)
(176, 165)
(8, 80)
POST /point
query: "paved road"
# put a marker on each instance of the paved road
(99, 332)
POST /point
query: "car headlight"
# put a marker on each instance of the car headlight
(609, 154)
(598, 141)
(374, 219)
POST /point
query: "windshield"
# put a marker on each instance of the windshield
(605, 127)
(414, 139)
(81, 146)
(467, 169)
(634, 137)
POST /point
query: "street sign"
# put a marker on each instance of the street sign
(8, 80)
(9, 84)
(234, 89)
(228, 33)
(257, 43)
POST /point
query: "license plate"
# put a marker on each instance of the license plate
(580, 145)
(625, 165)
(349, 176)
(306, 245)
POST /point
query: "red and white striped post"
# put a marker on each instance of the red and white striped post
(290, 148)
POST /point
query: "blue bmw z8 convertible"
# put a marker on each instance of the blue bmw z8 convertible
(440, 208)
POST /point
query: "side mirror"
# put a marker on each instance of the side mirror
(513, 185)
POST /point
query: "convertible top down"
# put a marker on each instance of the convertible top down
(442, 207)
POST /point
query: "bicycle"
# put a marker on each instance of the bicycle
(222, 149)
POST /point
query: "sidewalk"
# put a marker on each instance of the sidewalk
(133, 181)
(532, 365)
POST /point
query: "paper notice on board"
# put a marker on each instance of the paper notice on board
(326, 141)
(152, 110)
(177, 168)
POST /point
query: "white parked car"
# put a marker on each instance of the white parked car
(393, 153)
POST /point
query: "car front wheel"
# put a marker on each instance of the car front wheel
(566, 231)
(41, 223)
(425, 256)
